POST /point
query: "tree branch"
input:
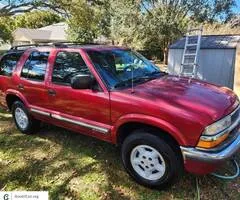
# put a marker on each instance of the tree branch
(12, 8)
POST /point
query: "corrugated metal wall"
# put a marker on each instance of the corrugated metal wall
(216, 65)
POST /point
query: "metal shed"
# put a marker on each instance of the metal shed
(219, 59)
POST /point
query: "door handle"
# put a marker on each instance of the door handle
(51, 92)
(20, 87)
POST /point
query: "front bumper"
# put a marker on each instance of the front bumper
(191, 153)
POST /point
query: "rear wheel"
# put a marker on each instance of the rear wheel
(150, 160)
(23, 120)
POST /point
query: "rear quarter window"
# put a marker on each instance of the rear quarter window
(8, 63)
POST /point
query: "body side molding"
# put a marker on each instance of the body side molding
(76, 122)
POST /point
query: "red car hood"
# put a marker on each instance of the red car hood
(190, 95)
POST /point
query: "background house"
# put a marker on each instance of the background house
(4, 46)
(52, 33)
(219, 59)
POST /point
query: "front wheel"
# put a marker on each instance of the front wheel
(151, 161)
(23, 120)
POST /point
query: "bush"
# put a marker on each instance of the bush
(152, 54)
(2, 52)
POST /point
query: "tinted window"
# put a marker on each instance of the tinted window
(35, 66)
(68, 65)
(8, 63)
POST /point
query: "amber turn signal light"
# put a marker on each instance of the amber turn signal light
(213, 143)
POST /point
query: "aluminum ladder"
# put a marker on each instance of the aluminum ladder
(189, 65)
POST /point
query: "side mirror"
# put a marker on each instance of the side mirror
(82, 81)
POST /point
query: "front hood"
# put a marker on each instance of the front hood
(190, 95)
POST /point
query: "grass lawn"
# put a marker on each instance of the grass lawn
(72, 166)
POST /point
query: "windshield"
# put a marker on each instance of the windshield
(121, 68)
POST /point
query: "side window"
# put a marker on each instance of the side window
(8, 63)
(67, 65)
(35, 66)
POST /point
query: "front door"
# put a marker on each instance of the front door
(85, 109)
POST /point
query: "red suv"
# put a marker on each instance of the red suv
(162, 123)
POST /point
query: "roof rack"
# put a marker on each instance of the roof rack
(56, 44)
(25, 46)
(74, 43)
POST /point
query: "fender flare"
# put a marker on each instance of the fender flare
(148, 120)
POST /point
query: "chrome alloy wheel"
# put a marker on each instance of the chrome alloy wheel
(147, 162)
(21, 118)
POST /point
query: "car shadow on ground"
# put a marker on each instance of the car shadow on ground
(74, 166)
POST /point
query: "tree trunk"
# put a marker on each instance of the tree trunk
(165, 56)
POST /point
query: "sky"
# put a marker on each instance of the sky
(237, 8)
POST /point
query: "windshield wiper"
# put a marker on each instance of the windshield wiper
(156, 73)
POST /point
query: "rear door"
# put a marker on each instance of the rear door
(31, 80)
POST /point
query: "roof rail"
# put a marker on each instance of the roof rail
(25, 46)
(66, 44)
(56, 44)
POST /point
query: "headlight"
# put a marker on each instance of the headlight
(217, 132)
(218, 126)
(209, 138)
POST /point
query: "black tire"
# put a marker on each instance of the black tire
(172, 159)
(32, 125)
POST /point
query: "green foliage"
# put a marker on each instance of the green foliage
(164, 24)
(220, 29)
(83, 22)
(86, 22)
(142, 26)
(36, 19)
(1, 52)
(154, 24)
(126, 25)
(6, 27)
(145, 24)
